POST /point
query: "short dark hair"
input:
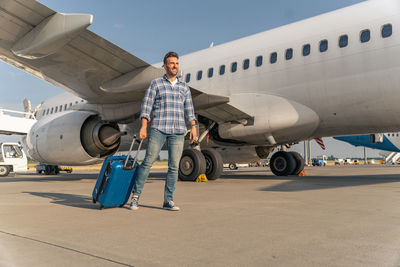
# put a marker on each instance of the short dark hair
(170, 54)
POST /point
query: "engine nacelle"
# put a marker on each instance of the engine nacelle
(244, 154)
(72, 138)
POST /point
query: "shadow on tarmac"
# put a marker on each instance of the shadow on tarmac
(33, 177)
(328, 182)
(71, 200)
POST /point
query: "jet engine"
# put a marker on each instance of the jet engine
(73, 138)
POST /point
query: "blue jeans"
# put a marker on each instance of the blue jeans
(155, 143)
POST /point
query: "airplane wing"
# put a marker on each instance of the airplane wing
(59, 48)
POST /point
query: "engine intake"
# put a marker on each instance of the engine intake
(73, 138)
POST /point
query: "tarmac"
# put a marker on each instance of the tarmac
(334, 216)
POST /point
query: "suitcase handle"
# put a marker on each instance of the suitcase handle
(126, 167)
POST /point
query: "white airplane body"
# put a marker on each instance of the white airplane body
(334, 74)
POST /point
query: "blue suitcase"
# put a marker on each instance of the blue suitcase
(115, 181)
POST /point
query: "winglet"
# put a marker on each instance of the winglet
(51, 35)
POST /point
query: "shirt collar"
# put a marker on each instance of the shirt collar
(165, 78)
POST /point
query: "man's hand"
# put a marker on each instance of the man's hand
(143, 133)
(143, 129)
(193, 134)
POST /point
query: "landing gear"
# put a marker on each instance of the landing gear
(214, 163)
(47, 169)
(286, 163)
(299, 162)
(192, 164)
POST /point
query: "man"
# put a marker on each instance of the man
(170, 101)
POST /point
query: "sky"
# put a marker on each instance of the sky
(149, 29)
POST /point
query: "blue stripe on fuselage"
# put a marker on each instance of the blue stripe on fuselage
(364, 140)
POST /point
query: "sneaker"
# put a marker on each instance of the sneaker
(170, 205)
(134, 204)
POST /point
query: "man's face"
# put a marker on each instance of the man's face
(172, 66)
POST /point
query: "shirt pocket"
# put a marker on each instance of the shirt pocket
(181, 95)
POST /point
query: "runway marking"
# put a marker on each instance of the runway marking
(65, 248)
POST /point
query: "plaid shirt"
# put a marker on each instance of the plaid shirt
(169, 104)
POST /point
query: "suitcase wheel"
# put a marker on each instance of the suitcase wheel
(94, 200)
(101, 207)
(121, 205)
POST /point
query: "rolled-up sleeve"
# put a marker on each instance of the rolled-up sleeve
(188, 105)
(148, 101)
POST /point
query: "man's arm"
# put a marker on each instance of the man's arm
(189, 113)
(145, 110)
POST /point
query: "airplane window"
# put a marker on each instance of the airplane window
(65, 107)
(82, 100)
(306, 50)
(51, 111)
(365, 36)
(259, 61)
(61, 108)
(246, 64)
(76, 102)
(387, 30)
(273, 58)
(343, 41)
(234, 67)
(289, 54)
(210, 72)
(199, 75)
(323, 46)
(70, 104)
(55, 111)
(397, 135)
(188, 77)
(44, 112)
(222, 70)
(47, 112)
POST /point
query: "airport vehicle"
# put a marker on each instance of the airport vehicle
(339, 161)
(235, 166)
(325, 76)
(356, 162)
(12, 158)
(348, 162)
(319, 161)
(51, 169)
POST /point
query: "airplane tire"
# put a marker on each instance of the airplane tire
(191, 165)
(299, 162)
(214, 163)
(4, 171)
(282, 163)
(47, 170)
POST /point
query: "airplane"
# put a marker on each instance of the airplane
(330, 75)
(389, 141)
